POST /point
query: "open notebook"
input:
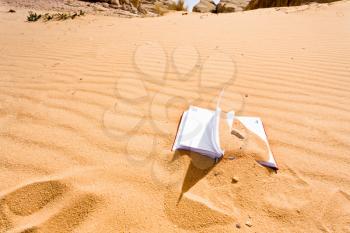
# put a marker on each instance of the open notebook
(199, 132)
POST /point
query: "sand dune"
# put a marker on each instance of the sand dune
(89, 110)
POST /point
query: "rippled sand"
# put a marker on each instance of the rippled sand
(89, 110)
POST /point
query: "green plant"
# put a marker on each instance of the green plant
(32, 17)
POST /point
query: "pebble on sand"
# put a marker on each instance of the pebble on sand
(249, 223)
(234, 180)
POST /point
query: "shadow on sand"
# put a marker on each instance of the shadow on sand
(199, 167)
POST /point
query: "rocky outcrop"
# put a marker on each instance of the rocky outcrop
(224, 6)
(205, 6)
(255, 4)
(158, 6)
(133, 6)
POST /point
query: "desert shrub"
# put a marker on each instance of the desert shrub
(55, 16)
(160, 9)
(135, 3)
(62, 16)
(47, 17)
(177, 6)
(32, 17)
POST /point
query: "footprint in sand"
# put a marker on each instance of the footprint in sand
(33, 197)
(70, 216)
(26, 202)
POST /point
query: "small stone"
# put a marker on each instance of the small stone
(249, 223)
(216, 173)
(234, 180)
(231, 158)
(238, 225)
(246, 95)
(12, 11)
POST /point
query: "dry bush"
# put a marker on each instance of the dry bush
(160, 9)
(136, 3)
(177, 6)
(33, 16)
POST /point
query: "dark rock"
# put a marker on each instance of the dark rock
(238, 225)
(234, 180)
(216, 173)
(12, 11)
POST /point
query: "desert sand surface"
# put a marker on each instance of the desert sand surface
(89, 111)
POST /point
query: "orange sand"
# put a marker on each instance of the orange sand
(89, 109)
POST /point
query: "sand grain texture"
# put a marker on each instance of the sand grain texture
(89, 109)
